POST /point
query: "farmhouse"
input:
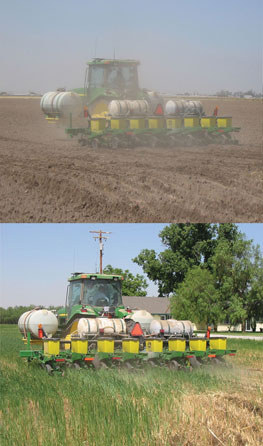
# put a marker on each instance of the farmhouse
(159, 307)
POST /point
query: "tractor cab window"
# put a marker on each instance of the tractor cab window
(101, 292)
(115, 78)
(74, 294)
(122, 77)
(129, 74)
(96, 76)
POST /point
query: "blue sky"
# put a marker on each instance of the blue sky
(183, 46)
(37, 259)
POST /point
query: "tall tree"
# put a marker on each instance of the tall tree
(228, 287)
(197, 298)
(187, 245)
(232, 265)
(255, 294)
(131, 285)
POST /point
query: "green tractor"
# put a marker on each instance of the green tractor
(95, 330)
(109, 79)
(105, 80)
(112, 111)
(90, 296)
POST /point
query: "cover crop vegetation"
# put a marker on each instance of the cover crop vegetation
(114, 407)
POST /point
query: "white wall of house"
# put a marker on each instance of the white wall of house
(227, 327)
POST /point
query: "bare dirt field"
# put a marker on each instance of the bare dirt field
(46, 177)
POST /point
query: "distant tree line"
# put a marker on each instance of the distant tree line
(238, 94)
(226, 93)
(11, 315)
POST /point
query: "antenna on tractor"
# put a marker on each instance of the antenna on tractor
(96, 43)
(100, 237)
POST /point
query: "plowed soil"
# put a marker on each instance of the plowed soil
(46, 177)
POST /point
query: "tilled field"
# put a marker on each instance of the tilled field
(46, 177)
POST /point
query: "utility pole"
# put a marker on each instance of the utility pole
(100, 237)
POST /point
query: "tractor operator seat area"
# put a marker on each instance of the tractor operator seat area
(95, 293)
(113, 76)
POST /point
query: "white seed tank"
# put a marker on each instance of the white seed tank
(128, 108)
(144, 318)
(193, 108)
(138, 108)
(87, 326)
(173, 108)
(29, 322)
(61, 103)
(118, 108)
(172, 327)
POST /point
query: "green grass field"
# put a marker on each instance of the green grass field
(114, 407)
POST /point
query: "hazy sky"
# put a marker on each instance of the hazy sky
(191, 45)
(37, 259)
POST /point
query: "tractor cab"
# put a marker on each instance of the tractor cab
(93, 292)
(108, 79)
(113, 74)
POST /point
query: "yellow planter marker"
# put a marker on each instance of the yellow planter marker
(79, 346)
(174, 123)
(137, 123)
(218, 343)
(176, 345)
(154, 345)
(51, 347)
(105, 345)
(208, 122)
(156, 123)
(97, 124)
(118, 124)
(224, 122)
(130, 346)
(198, 345)
(192, 121)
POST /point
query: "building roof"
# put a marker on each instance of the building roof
(155, 305)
